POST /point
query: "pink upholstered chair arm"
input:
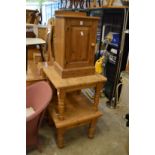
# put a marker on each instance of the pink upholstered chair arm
(38, 96)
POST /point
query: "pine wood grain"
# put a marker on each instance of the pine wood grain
(75, 44)
(58, 82)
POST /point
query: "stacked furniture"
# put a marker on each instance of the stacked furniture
(72, 71)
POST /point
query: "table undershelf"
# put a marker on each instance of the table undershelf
(78, 110)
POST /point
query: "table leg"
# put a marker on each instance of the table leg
(97, 95)
(41, 52)
(61, 103)
(92, 127)
(26, 57)
(60, 137)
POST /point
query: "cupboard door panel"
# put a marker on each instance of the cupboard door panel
(79, 43)
(78, 46)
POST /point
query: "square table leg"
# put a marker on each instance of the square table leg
(26, 57)
(41, 52)
(61, 131)
(92, 127)
(60, 137)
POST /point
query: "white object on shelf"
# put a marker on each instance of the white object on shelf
(34, 41)
(114, 51)
(126, 31)
(29, 111)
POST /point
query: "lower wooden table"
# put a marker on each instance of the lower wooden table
(72, 108)
(79, 111)
(66, 85)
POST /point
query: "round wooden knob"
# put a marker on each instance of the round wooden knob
(93, 44)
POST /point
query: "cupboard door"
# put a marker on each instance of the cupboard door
(79, 49)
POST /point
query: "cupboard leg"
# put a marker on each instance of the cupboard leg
(41, 52)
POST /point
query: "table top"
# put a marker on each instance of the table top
(35, 41)
(37, 25)
(58, 82)
(29, 25)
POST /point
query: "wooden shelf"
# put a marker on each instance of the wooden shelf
(95, 8)
(78, 111)
(110, 7)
